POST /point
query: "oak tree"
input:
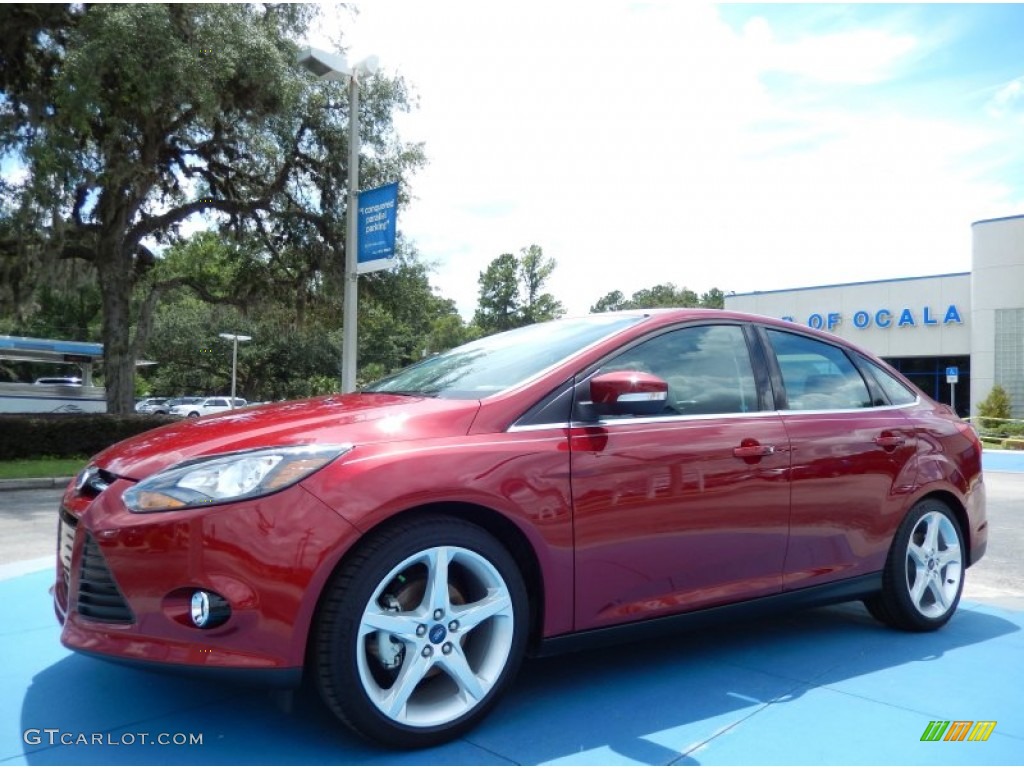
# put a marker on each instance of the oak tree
(131, 120)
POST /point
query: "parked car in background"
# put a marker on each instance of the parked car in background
(550, 488)
(206, 407)
(166, 406)
(67, 381)
(149, 404)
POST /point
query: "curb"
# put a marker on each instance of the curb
(32, 483)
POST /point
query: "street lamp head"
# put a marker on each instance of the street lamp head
(235, 337)
(368, 66)
(325, 65)
(335, 66)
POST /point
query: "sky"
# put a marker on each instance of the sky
(744, 147)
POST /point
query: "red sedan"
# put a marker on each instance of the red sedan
(557, 486)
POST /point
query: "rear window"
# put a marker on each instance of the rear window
(817, 376)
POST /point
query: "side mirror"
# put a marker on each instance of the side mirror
(628, 392)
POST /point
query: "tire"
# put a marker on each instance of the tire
(924, 572)
(420, 632)
(194, 415)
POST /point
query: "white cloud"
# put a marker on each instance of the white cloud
(1009, 99)
(857, 56)
(639, 144)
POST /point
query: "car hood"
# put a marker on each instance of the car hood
(339, 419)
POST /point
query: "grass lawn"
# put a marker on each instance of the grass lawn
(20, 468)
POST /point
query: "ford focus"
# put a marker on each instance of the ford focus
(567, 484)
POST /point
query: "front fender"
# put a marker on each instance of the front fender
(524, 477)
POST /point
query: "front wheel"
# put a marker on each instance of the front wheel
(420, 632)
(924, 573)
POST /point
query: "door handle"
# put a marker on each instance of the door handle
(890, 441)
(752, 451)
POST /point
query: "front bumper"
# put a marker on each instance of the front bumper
(124, 580)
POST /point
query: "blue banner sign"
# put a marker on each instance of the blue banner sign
(378, 212)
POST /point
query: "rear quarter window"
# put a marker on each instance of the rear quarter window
(893, 388)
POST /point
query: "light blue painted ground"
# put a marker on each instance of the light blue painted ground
(1003, 461)
(829, 686)
(822, 686)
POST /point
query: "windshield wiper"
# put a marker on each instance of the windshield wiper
(400, 392)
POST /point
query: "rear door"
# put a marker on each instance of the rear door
(851, 457)
(689, 508)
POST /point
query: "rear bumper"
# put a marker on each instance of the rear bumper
(977, 535)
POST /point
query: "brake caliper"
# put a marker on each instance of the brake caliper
(390, 650)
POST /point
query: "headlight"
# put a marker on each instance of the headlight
(229, 477)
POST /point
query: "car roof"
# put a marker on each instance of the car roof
(669, 315)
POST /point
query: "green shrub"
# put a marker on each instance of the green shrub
(996, 407)
(34, 435)
(1013, 428)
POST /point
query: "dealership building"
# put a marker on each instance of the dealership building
(954, 335)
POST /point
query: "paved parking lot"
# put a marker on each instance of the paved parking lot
(823, 686)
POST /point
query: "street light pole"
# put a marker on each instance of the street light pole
(330, 66)
(349, 337)
(235, 338)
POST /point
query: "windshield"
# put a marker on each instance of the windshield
(496, 363)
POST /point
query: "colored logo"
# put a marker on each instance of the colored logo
(959, 730)
(437, 633)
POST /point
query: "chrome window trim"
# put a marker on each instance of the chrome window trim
(700, 417)
(640, 420)
(537, 427)
(869, 409)
(682, 418)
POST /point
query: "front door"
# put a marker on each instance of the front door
(687, 509)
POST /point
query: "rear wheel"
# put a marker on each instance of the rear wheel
(923, 577)
(420, 632)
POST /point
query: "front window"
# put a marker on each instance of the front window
(707, 369)
(497, 363)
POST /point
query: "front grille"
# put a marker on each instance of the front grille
(66, 525)
(99, 598)
(93, 481)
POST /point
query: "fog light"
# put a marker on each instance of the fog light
(209, 609)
